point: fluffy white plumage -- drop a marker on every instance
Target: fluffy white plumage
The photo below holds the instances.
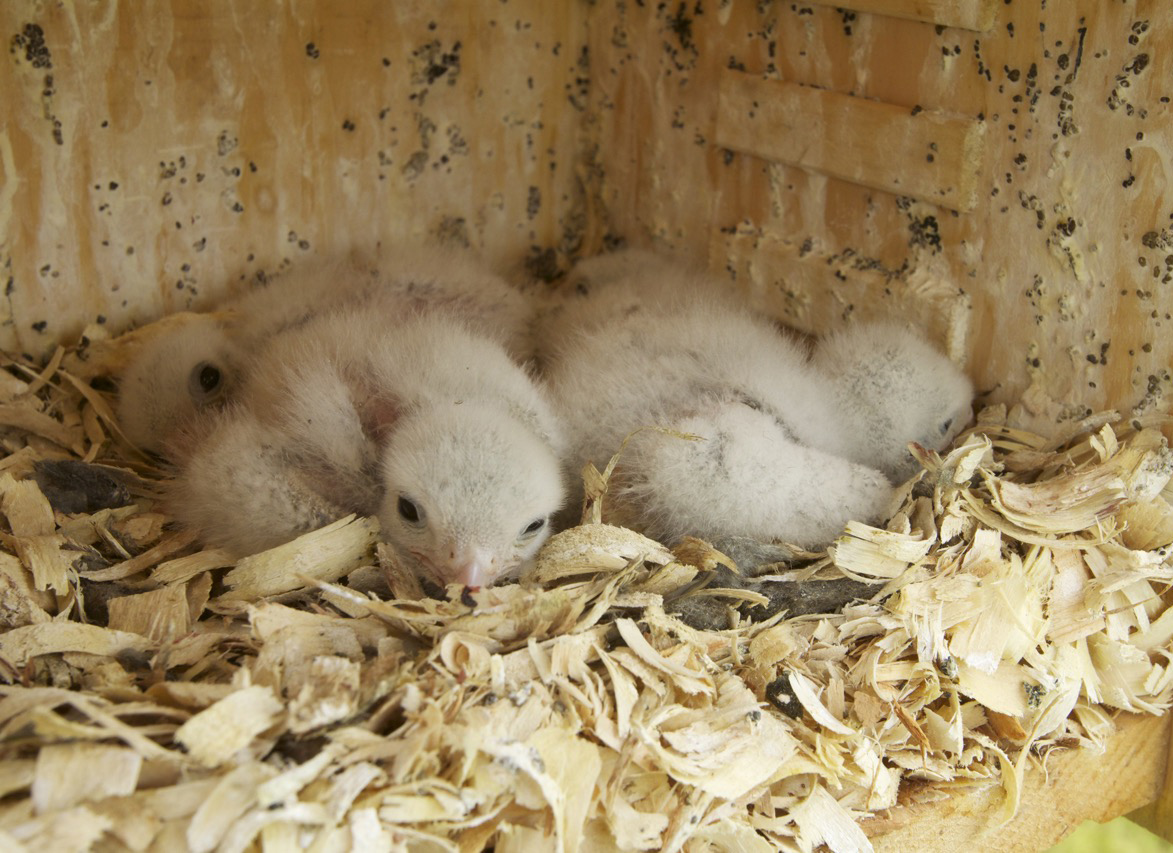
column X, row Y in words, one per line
column 175, row 377
column 895, row 388
column 641, row 343
column 431, row 426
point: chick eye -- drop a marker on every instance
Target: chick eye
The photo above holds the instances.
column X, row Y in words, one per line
column 533, row 527
column 945, row 426
column 205, row 381
column 410, row 511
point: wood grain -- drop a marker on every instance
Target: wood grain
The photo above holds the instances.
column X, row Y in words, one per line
column 967, row 14
column 151, row 161
column 1077, row 786
column 1064, row 263
column 1157, row 816
column 926, row 154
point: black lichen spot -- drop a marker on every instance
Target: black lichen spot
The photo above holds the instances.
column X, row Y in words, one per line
column 453, row 230
column 31, row 40
column 682, row 51
column 430, row 62
column 780, row 694
column 924, row 232
column 542, row 264
column 224, row 145
column 848, row 20
column 40, row 325
column 533, row 202
column 415, row 165
column 348, row 126
column 578, row 90
column 1138, row 64
column 311, row 50
column 681, row 25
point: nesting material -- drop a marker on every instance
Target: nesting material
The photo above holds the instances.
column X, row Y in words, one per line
column 158, row 697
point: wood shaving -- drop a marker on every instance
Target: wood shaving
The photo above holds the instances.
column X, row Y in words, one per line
column 157, row 695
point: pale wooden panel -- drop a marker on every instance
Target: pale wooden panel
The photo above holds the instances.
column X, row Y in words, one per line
column 925, row 154
column 785, row 277
column 1157, row 816
column 967, row 14
column 1078, row 785
column 153, row 156
column 1065, row 262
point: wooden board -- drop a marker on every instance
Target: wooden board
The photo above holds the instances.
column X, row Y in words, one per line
column 1066, row 260
column 967, row 14
column 152, row 159
column 926, row 154
column 1076, row 786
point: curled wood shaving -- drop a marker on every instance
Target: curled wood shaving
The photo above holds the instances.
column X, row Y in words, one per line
column 158, row 696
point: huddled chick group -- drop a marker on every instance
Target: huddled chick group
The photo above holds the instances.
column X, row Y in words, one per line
column 436, row 396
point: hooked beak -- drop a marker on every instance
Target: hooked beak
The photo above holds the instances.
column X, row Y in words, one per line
column 471, row 566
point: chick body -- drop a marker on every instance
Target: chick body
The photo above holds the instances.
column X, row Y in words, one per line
column 433, row 428
column 177, row 377
column 644, row 344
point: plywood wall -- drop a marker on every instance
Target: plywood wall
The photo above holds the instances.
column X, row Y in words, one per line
column 998, row 171
column 154, row 155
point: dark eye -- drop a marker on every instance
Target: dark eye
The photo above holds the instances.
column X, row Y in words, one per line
column 209, row 378
column 945, row 426
column 533, row 527
column 205, row 381
column 409, row 510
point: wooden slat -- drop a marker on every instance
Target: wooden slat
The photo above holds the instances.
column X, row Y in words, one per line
column 925, row 154
column 1157, row 816
column 1077, row 786
column 967, row 14
column 811, row 290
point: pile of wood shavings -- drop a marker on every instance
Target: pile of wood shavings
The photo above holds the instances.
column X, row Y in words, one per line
column 160, row 697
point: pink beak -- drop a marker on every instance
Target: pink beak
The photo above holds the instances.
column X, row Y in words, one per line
column 471, row 566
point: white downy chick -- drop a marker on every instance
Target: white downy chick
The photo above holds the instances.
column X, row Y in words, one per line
column 175, row 377
column 243, row 491
column 470, row 491
column 469, row 451
column 895, row 388
column 689, row 360
column 429, row 425
column 404, row 280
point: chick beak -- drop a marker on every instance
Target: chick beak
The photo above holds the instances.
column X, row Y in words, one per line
column 471, row 566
